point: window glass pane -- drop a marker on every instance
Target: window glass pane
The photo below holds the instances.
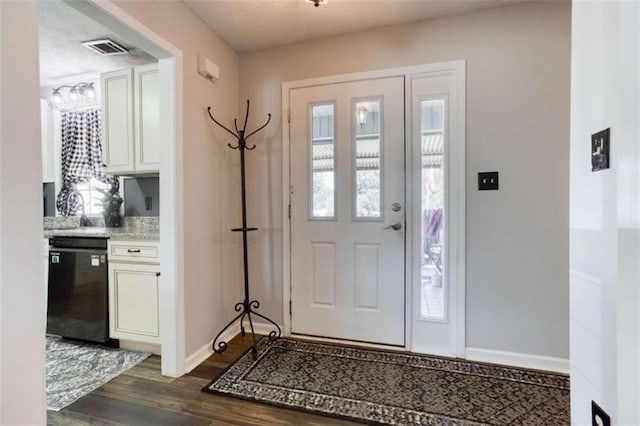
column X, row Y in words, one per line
column 92, row 197
column 323, row 161
column 367, row 159
column 433, row 217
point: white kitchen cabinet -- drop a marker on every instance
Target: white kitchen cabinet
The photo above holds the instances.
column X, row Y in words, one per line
column 117, row 121
column 146, row 118
column 134, row 292
column 130, row 120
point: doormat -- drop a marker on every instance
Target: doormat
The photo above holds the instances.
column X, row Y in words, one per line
column 376, row 386
column 75, row 368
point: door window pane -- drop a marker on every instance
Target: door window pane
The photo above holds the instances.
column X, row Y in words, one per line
column 367, row 159
column 433, row 214
column 322, row 161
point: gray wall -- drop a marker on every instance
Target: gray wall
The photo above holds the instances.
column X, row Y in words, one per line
column 136, row 191
column 517, row 122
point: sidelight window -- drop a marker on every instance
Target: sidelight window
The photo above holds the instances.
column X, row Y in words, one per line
column 432, row 304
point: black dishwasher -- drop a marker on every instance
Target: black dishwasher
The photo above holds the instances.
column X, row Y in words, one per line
column 78, row 299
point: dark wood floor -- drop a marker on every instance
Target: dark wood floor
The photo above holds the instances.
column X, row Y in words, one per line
column 142, row 396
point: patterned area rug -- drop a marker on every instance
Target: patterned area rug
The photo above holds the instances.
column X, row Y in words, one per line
column 394, row 388
column 74, row 369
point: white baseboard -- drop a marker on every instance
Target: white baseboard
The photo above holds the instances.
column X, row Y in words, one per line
column 196, row 358
column 515, row 359
column 261, row 327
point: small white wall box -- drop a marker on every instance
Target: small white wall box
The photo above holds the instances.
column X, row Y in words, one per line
column 208, row 69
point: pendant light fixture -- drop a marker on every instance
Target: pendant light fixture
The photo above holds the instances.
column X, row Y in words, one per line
column 317, row 3
column 362, row 113
column 78, row 95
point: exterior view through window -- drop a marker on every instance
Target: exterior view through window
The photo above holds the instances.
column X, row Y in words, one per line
column 432, row 304
column 322, row 162
column 92, row 197
column 367, row 159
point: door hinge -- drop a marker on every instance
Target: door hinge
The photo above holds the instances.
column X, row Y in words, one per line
column 290, row 308
column 289, row 211
column 289, row 116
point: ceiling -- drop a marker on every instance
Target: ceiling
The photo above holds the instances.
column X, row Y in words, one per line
column 257, row 24
column 64, row 60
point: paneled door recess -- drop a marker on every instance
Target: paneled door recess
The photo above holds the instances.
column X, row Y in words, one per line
column 347, row 211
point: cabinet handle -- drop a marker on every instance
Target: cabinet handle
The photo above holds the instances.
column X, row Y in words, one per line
column 133, row 251
column 157, row 274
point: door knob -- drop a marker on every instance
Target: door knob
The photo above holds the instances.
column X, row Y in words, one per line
column 396, row 226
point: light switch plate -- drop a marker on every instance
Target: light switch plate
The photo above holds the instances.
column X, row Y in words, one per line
column 488, row 181
column 600, row 150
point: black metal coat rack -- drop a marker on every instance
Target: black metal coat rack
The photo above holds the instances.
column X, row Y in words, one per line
column 247, row 307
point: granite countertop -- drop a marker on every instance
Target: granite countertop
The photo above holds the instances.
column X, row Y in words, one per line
column 112, row 233
column 133, row 228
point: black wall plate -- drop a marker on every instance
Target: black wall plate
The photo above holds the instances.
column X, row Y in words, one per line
column 488, row 181
column 600, row 150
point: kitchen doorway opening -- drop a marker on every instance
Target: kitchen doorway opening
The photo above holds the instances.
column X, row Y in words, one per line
column 171, row 311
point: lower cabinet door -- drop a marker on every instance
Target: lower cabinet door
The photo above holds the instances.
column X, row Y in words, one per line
column 133, row 302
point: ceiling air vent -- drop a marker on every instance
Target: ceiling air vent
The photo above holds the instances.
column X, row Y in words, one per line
column 105, row 47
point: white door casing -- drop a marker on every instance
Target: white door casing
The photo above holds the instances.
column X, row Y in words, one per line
column 347, row 270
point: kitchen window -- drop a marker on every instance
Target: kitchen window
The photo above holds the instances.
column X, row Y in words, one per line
column 92, row 197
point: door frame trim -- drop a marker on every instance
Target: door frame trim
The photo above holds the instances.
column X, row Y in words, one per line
column 458, row 68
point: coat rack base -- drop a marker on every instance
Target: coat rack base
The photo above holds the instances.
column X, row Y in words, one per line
column 246, row 309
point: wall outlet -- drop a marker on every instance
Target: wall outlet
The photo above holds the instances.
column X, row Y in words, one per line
column 598, row 416
column 488, row 181
column 147, row 203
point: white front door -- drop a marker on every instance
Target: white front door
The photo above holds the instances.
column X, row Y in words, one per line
column 348, row 210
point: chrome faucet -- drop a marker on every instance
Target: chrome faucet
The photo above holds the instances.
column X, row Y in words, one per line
column 84, row 220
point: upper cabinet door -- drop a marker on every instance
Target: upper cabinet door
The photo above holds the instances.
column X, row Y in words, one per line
column 117, row 123
column 146, row 118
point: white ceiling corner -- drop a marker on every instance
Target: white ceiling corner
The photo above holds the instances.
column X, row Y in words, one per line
column 249, row 25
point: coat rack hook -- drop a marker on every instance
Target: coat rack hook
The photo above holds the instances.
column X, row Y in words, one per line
column 220, row 124
column 260, row 128
column 246, row 118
